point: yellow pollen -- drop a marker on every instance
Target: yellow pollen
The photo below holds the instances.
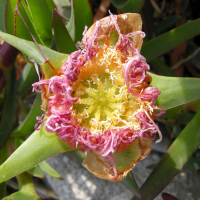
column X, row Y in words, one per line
column 104, row 101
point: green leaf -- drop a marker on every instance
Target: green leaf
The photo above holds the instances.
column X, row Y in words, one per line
column 174, row 159
column 162, row 68
column 51, row 5
column 132, row 186
column 28, row 124
column 126, row 6
column 21, row 30
column 49, row 170
column 37, row 148
column 42, row 20
column 35, row 171
column 2, row 15
column 175, row 91
column 3, row 157
column 169, row 22
column 81, row 16
column 26, row 187
column 167, row 41
column 31, row 50
column 193, row 163
column 27, row 78
column 9, row 107
column 63, row 40
column 9, row 23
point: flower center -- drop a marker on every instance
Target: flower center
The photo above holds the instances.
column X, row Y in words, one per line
column 104, row 101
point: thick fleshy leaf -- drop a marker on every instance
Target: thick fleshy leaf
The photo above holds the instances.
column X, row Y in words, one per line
column 132, row 186
column 42, row 20
column 28, row 155
column 167, row 41
column 81, row 16
column 31, row 50
column 128, row 5
column 27, row 78
column 174, row 159
column 28, row 124
column 26, row 187
column 63, row 40
column 9, row 18
column 35, row 171
column 9, row 107
column 49, row 170
column 2, row 15
column 21, row 30
column 175, row 91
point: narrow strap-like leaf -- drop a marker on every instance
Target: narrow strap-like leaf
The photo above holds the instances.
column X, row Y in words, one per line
column 28, row 124
column 2, row 15
column 42, row 20
column 49, row 170
column 31, row 50
column 63, row 40
column 81, row 16
column 27, row 78
column 131, row 184
column 167, row 41
column 10, row 105
column 174, row 159
column 35, row 171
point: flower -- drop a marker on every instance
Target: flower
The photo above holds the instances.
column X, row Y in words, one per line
column 100, row 99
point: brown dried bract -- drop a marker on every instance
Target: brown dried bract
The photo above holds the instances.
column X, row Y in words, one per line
column 98, row 166
column 128, row 23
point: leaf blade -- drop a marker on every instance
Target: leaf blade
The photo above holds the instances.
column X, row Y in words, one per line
column 175, row 91
column 63, row 40
column 167, row 41
column 30, row 153
column 49, row 170
column 176, row 156
column 30, row 49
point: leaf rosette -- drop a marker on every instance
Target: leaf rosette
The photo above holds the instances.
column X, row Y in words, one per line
column 100, row 99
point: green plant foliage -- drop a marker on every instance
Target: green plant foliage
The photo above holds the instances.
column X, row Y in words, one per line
column 169, row 22
column 2, row 15
column 35, row 171
column 28, row 124
column 175, row 91
column 27, row 78
column 63, row 40
column 132, row 6
column 3, row 157
column 21, row 30
column 9, row 18
column 132, row 185
column 42, row 20
column 81, row 16
column 174, row 159
column 167, row 41
column 26, row 187
column 30, row 49
column 49, row 170
column 9, row 107
column 30, row 153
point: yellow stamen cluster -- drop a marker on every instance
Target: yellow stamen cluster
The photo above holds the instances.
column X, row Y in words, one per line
column 104, row 101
